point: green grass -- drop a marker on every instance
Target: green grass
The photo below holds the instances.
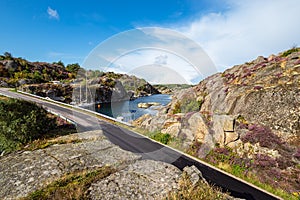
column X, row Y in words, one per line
column 71, row 186
column 13, row 90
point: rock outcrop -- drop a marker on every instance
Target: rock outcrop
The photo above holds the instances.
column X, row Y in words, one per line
column 148, row 104
column 265, row 91
column 145, row 179
column 24, row 172
column 248, row 116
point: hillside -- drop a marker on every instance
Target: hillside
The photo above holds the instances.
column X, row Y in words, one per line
column 245, row 120
column 63, row 83
column 18, row 71
column 171, row 88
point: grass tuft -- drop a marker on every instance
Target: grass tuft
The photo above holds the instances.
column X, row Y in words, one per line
column 199, row 191
column 71, row 186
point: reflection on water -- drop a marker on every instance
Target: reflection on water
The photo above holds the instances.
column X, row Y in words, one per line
column 129, row 110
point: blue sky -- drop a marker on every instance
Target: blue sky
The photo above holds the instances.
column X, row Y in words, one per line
column 69, row 30
column 230, row 32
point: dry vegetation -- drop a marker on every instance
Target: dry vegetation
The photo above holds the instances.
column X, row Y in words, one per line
column 200, row 191
column 71, row 186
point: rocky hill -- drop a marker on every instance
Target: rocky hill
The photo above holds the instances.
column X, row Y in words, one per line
column 67, row 83
column 247, row 117
column 18, row 71
column 105, row 87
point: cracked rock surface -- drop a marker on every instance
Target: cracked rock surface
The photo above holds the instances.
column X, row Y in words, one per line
column 145, row 179
column 24, row 172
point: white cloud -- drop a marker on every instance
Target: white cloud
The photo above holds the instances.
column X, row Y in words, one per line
column 64, row 56
column 145, row 48
column 248, row 29
column 53, row 14
column 152, row 65
column 161, row 59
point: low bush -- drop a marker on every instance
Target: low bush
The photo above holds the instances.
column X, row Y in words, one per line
column 161, row 137
column 22, row 122
column 264, row 161
column 187, row 105
column 177, row 108
column 290, row 51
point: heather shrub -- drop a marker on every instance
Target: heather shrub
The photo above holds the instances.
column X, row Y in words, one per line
column 221, row 154
column 257, row 87
column 194, row 147
column 272, row 176
column 284, row 162
column 263, row 135
column 297, row 154
column 264, row 161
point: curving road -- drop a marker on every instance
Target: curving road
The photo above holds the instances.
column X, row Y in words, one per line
column 149, row 149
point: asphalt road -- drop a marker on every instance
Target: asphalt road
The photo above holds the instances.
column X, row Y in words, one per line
column 136, row 143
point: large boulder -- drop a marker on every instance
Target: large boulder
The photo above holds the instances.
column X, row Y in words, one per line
column 198, row 127
column 223, row 127
column 173, row 129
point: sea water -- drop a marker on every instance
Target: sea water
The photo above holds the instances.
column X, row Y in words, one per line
column 128, row 110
